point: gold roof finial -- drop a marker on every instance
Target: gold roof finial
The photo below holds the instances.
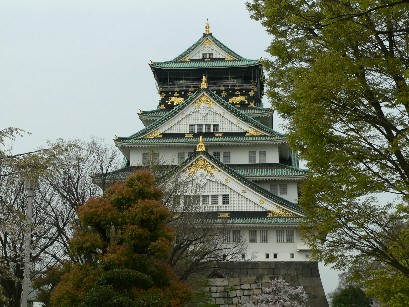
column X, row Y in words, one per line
column 204, row 83
column 200, row 146
column 207, row 27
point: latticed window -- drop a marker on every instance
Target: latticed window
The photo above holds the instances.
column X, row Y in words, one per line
column 262, row 156
column 236, row 236
column 225, row 199
column 226, row 157
column 252, row 156
column 283, row 188
column 290, row 235
column 181, row 157
column 280, row 236
column 252, row 236
column 145, row 158
column 199, row 128
column 208, row 128
column 214, row 200
column 226, row 236
column 155, row 158
column 215, row 127
column 191, row 128
column 205, row 200
column 263, row 236
column 216, row 154
column 274, row 188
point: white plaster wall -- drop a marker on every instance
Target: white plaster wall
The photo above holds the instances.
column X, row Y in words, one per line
column 292, row 189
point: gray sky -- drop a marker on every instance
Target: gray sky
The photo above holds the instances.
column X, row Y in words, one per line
column 79, row 68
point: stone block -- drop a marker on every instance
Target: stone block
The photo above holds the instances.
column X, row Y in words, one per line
column 235, row 281
column 219, row 281
column 245, row 299
column 239, row 292
column 248, row 292
column 256, row 286
column 248, row 279
column 235, row 300
column 215, row 294
column 219, row 301
column 232, row 294
column 256, row 291
column 214, row 289
column 245, row 286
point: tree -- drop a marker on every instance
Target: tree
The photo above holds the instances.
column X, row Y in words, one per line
column 351, row 296
column 123, row 243
column 339, row 76
column 280, row 294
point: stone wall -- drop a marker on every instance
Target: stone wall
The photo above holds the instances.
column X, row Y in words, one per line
column 242, row 280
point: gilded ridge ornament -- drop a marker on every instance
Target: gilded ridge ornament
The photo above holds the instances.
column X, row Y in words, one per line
column 223, row 215
column 176, row 100
column 238, row 99
column 203, row 100
column 201, row 164
column 200, row 146
column 229, row 58
column 253, row 132
column 154, row 134
column 203, row 85
column 279, row 212
column 207, row 27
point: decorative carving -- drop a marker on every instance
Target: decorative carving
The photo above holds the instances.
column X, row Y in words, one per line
column 203, row 100
column 186, row 59
column 224, row 94
column 261, row 201
column 203, row 85
column 251, row 93
column 154, row 134
column 227, row 180
column 176, row 94
column 162, row 106
column 279, row 212
column 175, row 100
column 162, row 95
column 201, row 164
column 251, row 105
column 218, row 134
column 200, row 146
column 207, row 27
column 223, row 215
column 238, row 99
column 188, row 135
column 254, row 132
column 229, row 58
column 244, row 191
column 207, row 42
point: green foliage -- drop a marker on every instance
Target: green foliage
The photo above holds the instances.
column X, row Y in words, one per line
column 351, row 296
column 123, row 242
column 338, row 75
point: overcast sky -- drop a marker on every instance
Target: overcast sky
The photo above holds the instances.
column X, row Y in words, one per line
column 79, row 68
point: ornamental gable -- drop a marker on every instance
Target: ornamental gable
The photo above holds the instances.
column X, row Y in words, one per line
column 207, row 49
column 204, row 114
column 205, row 178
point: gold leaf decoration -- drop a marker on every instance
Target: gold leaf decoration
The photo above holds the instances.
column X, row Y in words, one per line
column 203, row 100
column 279, row 212
column 201, row 164
column 188, row 135
column 253, row 132
column 238, row 99
column 154, row 134
column 227, row 180
column 176, row 100
column 223, row 215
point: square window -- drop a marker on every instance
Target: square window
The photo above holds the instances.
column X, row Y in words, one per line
column 267, row 255
column 205, row 200
column 236, row 236
column 216, row 154
column 253, row 236
column 283, row 188
column 225, row 199
column 215, row 127
column 208, row 128
column 291, row 255
column 191, row 128
column 243, row 256
column 226, row 157
column 252, row 156
column 263, row 236
column 214, row 200
column 181, row 157
column 275, row 256
column 274, row 188
column 199, row 128
column 262, row 157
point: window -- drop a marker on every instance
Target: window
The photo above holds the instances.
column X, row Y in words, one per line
column 216, row 154
column 291, row 255
column 145, row 158
column 226, row 236
column 283, row 188
column 205, row 200
column 226, row 157
column 191, row 128
column 274, row 188
column 181, row 157
column 267, row 255
column 263, row 236
column 214, row 200
column 208, row 128
column 155, row 158
column 207, row 55
column 290, row 235
column 275, row 256
column 252, row 156
column 199, row 128
column 215, row 127
column 188, row 201
column 253, row 236
column 262, row 157
column 280, row 235
column 225, row 199
column 243, row 256
column 236, row 236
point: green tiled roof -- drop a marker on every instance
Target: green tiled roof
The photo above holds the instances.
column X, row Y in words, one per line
column 257, row 220
column 233, row 110
column 250, row 184
column 254, row 110
column 271, row 170
column 205, row 64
